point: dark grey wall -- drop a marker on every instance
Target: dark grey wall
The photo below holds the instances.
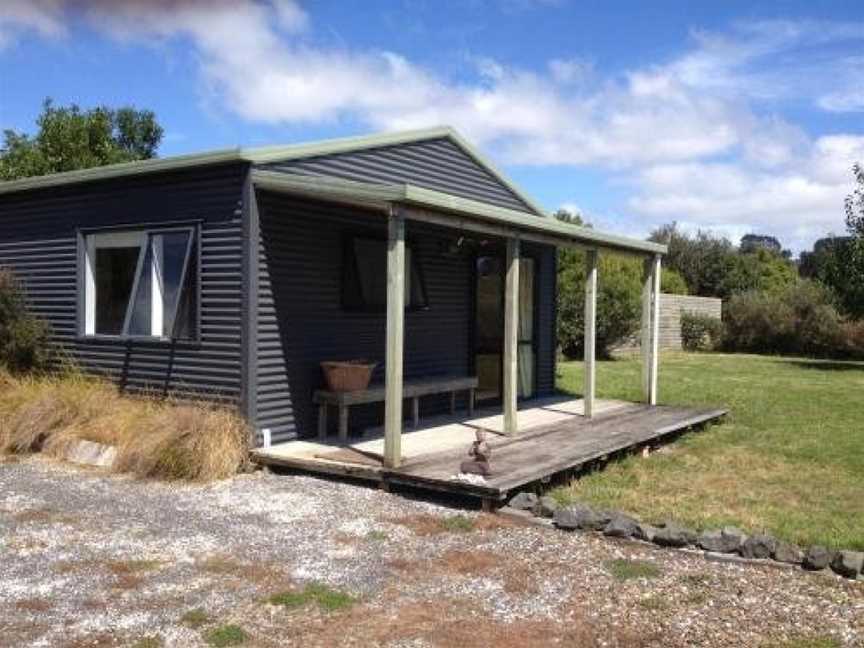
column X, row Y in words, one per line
column 38, row 241
column 434, row 164
column 301, row 321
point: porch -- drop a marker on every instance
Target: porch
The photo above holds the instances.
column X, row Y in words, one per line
column 555, row 436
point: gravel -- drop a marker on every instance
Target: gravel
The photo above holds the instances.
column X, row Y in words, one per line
column 92, row 559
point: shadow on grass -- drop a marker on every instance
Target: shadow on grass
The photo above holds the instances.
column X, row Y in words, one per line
column 825, row 365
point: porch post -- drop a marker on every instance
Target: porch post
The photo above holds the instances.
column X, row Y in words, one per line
column 395, row 338
column 590, row 331
column 650, row 328
column 511, row 336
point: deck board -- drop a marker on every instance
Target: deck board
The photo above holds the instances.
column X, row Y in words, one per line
column 536, row 453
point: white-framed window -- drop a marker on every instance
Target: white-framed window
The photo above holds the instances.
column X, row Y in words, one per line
column 140, row 283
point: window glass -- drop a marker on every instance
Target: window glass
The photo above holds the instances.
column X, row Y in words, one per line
column 140, row 284
column 365, row 277
column 171, row 249
column 140, row 322
column 114, row 274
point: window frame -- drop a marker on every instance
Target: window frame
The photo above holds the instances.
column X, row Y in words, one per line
column 126, row 236
column 350, row 264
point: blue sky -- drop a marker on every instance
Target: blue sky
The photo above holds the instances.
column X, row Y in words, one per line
column 724, row 116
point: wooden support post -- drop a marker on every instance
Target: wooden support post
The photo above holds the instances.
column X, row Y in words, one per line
column 322, row 421
column 650, row 329
column 343, row 422
column 395, row 338
column 589, row 390
column 511, row 337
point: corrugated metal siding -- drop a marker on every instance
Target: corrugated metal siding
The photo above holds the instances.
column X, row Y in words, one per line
column 434, row 164
column 301, row 321
column 38, row 242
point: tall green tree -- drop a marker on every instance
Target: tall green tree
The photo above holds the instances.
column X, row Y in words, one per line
column 69, row 138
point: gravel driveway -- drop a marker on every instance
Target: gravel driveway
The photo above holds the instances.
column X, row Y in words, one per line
column 94, row 560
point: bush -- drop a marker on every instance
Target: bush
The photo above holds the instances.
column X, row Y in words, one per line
column 700, row 332
column 618, row 302
column 800, row 319
column 672, row 283
column 24, row 344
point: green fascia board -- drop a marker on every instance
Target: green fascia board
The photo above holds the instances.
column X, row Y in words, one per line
column 550, row 225
column 264, row 155
column 122, row 169
column 382, row 196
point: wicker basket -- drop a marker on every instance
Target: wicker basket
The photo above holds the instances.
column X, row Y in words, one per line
column 347, row 375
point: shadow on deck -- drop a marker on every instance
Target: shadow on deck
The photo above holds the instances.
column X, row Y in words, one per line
column 554, row 438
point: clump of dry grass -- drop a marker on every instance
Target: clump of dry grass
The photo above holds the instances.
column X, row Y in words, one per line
column 192, row 441
column 154, row 438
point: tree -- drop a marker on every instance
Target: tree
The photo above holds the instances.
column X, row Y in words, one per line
column 855, row 205
column 69, row 139
column 753, row 242
column 702, row 260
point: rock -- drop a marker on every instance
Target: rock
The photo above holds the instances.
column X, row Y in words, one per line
column 758, row 546
column 817, row 558
column 620, row 526
column 672, row 534
column 579, row 516
column 848, row 563
column 726, row 540
column 568, row 517
column 546, row 507
column 786, row 552
column 523, row 501
column 645, row 532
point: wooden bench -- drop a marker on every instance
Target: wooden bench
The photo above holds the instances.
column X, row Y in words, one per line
column 412, row 389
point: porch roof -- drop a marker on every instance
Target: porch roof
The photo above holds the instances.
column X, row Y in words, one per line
column 419, row 203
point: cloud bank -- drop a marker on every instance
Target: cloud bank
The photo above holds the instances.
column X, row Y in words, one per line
column 700, row 138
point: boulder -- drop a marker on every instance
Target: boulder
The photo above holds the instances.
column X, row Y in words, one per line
column 817, row 558
column 786, row 552
column 579, row 516
column 848, row 563
column 620, row 526
column 546, row 507
column 758, row 546
column 672, row 534
column 726, row 540
column 645, row 532
column 523, row 501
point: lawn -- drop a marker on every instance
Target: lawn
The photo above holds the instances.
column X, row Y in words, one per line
column 789, row 459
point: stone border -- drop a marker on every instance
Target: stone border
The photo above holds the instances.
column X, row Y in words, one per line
column 728, row 544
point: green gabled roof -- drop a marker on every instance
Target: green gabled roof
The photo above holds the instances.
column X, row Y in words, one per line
column 265, row 154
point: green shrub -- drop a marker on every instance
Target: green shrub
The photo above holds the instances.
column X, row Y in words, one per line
column 619, row 289
column 672, row 283
column 800, row 319
column 24, row 344
column 700, row 332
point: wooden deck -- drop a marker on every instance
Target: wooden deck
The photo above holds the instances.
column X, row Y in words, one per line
column 554, row 437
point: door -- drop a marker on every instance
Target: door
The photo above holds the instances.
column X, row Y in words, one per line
column 489, row 328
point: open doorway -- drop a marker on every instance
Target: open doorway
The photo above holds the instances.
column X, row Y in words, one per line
column 489, row 327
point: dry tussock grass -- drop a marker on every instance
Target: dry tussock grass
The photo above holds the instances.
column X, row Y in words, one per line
column 154, row 438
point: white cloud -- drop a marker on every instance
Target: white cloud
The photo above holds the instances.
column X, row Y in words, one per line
column 699, row 138
column 17, row 17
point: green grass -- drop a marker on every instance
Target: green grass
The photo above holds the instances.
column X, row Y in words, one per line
column 787, row 460
column 624, row 570
column 376, row 535
column 326, row 597
column 457, row 523
column 226, row 635
column 148, row 642
column 195, row 618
